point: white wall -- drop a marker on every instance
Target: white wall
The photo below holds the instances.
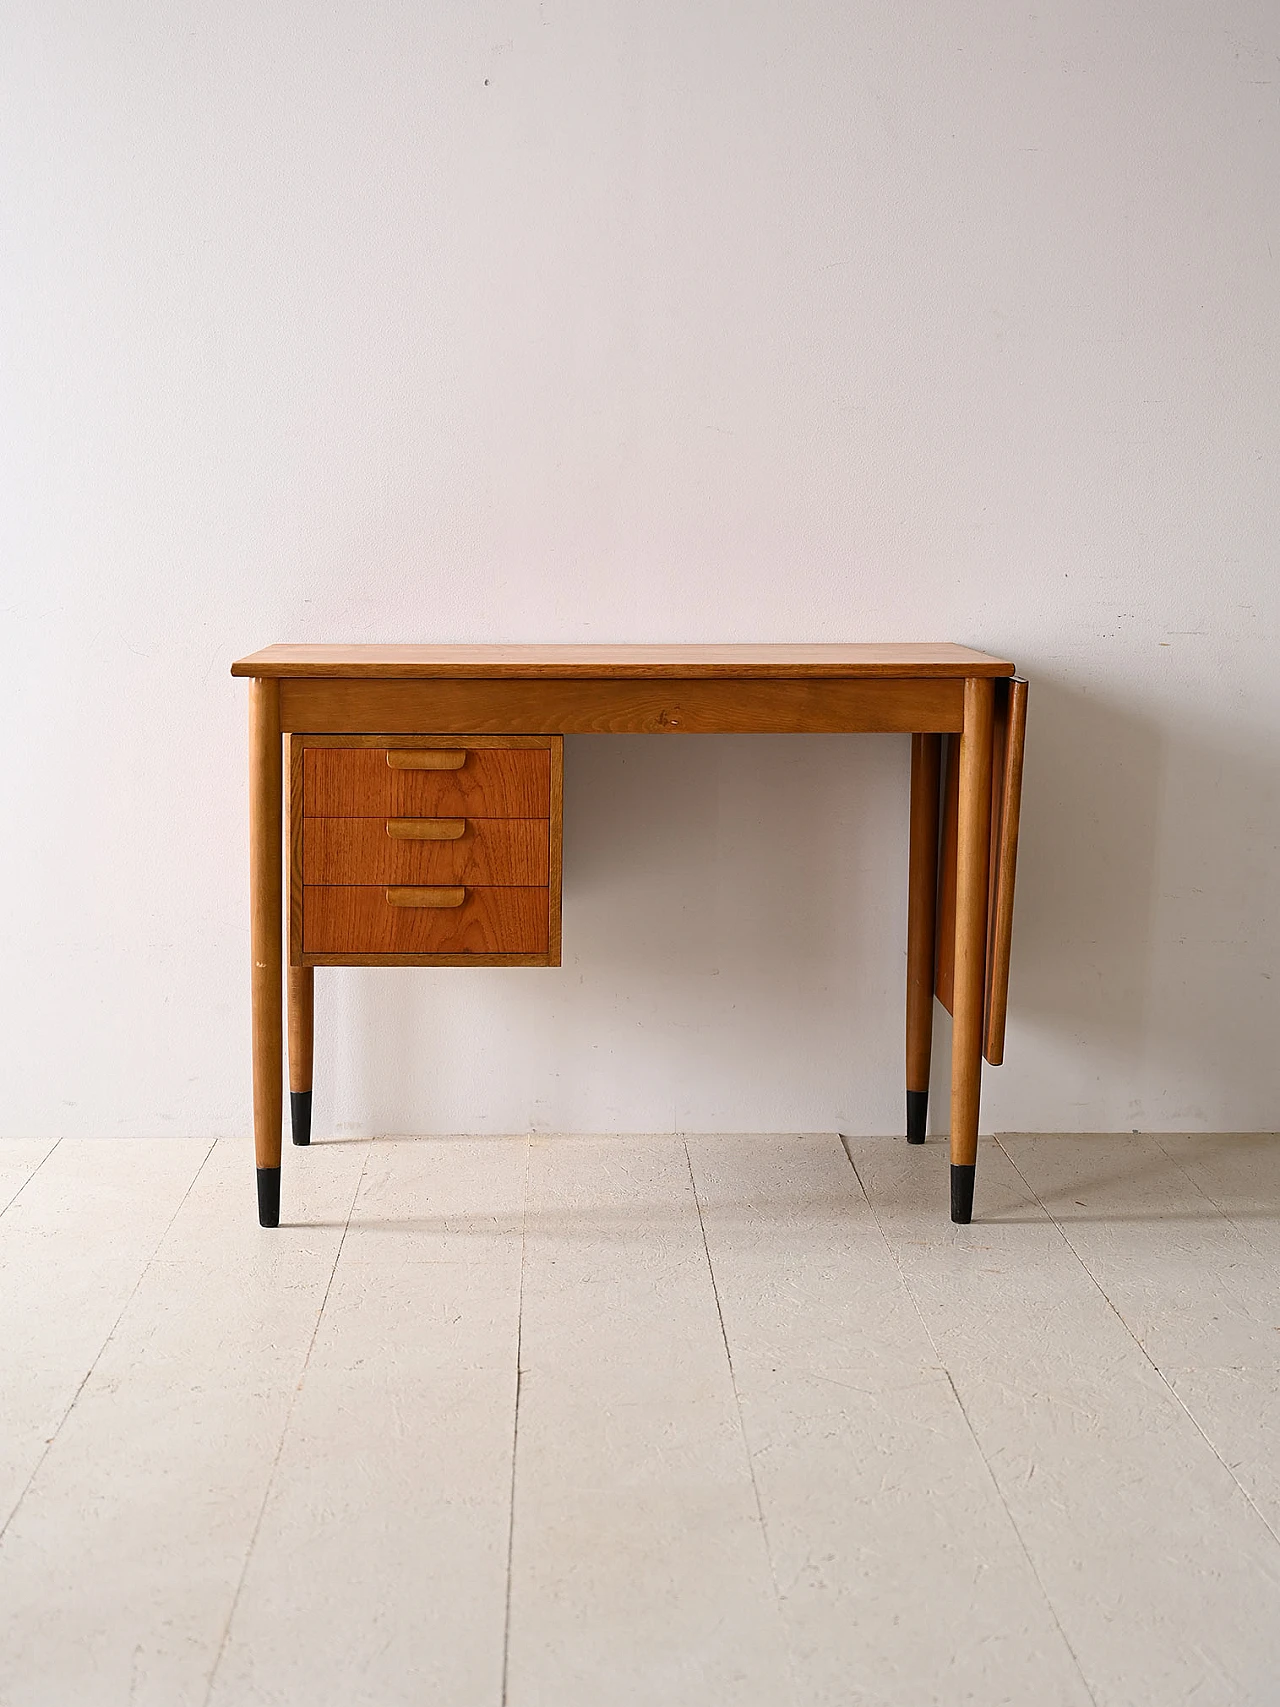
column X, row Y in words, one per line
column 597, row 320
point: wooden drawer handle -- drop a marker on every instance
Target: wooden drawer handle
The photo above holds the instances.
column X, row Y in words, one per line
column 426, row 897
column 425, row 759
column 426, row 829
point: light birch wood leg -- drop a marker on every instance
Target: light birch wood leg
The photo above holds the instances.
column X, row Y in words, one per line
column 301, row 1050
column 265, row 863
column 973, row 849
column 922, row 914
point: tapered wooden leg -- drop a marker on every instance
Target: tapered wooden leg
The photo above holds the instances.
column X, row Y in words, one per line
column 922, row 916
column 301, row 1050
column 973, row 848
column 265, row 861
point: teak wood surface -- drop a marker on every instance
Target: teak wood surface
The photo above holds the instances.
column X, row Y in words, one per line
column 589, row 705
column 503, row 851
column 301, row 1027
column 367, row 919
column 874, row 660
column 1008, row 741
column 354, row 782
column 265, row 924
column 360, row 847
column 973, row 851
column 922, row 907
column 345, row 709
column 1006, row 813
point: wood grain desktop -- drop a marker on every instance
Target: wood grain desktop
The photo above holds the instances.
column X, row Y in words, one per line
column 425, row 820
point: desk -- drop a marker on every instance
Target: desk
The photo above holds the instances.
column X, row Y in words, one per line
column 424, row 820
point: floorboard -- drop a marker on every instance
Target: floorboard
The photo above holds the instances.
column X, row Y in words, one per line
column 901, row 1576
column 541, row 1422
column 119, row 1571
column 639, row 1567
column 1182, row 1234
column 379, row 1574
column 1164, row 1580
column 20, row 1158
column 75, row 1240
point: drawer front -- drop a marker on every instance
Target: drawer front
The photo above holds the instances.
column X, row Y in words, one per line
column 351, row 919
column 369, row 782
column 507, row 851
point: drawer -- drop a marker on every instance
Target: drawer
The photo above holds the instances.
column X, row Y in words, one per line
column 421, row 782
column 362, row 919
column 507, row 851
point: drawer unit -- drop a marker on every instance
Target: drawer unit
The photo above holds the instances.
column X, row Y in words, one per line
column 421, row 849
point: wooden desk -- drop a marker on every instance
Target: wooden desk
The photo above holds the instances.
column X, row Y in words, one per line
column 424, row 820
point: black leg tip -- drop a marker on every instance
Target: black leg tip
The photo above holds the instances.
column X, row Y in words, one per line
column 962, row 1194
column 300, row 1115
column 268, row 1197
column 917, row 1109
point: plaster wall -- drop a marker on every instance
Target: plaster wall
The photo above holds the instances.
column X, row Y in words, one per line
column 608, row 321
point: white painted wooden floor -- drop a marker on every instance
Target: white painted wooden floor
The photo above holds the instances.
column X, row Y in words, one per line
column 619, row 1421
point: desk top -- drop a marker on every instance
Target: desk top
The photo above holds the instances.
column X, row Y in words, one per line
column 654, row 663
